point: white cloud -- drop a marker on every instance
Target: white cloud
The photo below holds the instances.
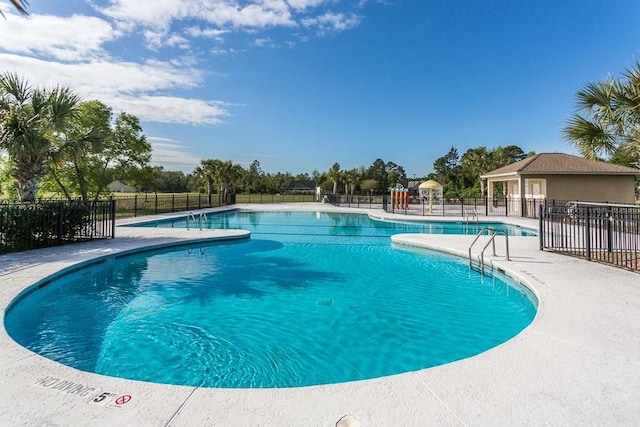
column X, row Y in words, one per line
column 158, row 14
column 162, row 13
column 218, row 51
column 304, row 4
column 261, row 14
column 75, row 51
column 178, row 41
column 264, row 42
column 76, row 38
column 156, row 20
column 126, row 86
column 171, row 154
column 211, row 33
column 332, row 22
column 169, row 109
column 103, row 76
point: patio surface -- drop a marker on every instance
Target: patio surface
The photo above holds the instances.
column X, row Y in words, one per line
column 578, row 363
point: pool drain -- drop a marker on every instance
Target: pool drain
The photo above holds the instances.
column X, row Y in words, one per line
column 324, row 302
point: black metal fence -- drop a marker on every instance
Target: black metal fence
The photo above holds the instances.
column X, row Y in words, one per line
column 498, row 206
column 356, row 200
column 597, row 232
column 46, row 223
column 153, row 204
column 275, row 198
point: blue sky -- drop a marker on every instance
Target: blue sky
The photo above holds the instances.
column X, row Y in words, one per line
column 301, row 84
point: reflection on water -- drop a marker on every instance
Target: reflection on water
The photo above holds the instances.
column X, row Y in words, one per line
column 77, row 308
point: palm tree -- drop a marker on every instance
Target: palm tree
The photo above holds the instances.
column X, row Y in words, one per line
column 207, row 170
column 80, row 146
column 610, row 119
column 228, row 173
column 334, row 174
column 29, row 118
column 20, row 5
column 352, row 179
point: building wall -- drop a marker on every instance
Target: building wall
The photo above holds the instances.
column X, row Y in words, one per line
column 119, row 187
column 590, row 188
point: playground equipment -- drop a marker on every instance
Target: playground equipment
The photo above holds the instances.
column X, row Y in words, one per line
column 399, row 198
column 428, row 188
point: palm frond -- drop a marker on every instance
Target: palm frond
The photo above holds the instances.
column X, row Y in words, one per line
column 628, row 94
column 589, row 137
column 597, row 98
column 20, row 5
column 14, row 87
column 63, row 104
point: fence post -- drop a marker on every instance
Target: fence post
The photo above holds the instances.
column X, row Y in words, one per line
column 540, row 228
column 59, row 224
column 135, row 206
column 187, row 208
column 173, row 202
column 113, row 218
column 156, row 207
column 609, row 230
column 506, row 206
column 588, row 234
column 486, row 206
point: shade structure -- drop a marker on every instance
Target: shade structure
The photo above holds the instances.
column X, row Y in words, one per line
column 428, row 187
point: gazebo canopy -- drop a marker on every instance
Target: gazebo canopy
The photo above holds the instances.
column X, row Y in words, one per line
column 430, row 185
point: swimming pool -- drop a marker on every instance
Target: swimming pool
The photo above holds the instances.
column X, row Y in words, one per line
column 336, row 227
column 293, row 306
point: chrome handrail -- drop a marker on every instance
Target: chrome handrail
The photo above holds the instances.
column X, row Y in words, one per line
column 191, row 215
column 471, row 213
column 202, row 215
column 492, row 240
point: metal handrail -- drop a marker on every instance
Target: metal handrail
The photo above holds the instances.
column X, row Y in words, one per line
column 191, row 215
column 491, row 241
column 202, row 215
column 473, row 214
column 476, row 239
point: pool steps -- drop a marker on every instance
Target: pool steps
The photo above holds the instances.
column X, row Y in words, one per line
column 201, row 219
column 492, row 240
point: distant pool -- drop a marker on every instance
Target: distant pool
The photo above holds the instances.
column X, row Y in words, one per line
column 312, row 298
column 329, row 227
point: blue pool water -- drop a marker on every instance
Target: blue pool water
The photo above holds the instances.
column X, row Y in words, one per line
column 334, row 227
column 314, row 301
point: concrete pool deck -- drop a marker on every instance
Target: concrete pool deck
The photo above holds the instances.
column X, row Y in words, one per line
column 578, row 363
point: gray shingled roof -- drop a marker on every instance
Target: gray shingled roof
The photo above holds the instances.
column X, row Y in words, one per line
column 560, row 164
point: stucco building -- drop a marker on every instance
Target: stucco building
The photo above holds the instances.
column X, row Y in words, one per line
column 562, row 177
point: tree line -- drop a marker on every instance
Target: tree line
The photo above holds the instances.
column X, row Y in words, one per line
column 52, row 137
column 54, row 143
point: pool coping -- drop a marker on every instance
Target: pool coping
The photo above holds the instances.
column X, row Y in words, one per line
column 577, row 363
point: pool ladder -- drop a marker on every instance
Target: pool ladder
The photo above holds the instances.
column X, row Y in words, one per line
column 201, row 219
column 492, row 241
column 471, row 214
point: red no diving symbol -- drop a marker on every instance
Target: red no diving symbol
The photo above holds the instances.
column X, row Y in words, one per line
column 121, row 400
